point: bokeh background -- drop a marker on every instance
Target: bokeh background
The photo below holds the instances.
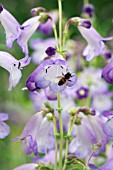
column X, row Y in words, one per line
column 17, row 102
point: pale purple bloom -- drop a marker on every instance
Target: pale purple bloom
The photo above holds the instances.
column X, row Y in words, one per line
column 27, row 29
column 107, row 113
column 35, row 136
column 90, row 132
column 46, row 28
column 11, row 26
column 13, row 66
column 49, row 73
column 4, row 128
column 107, row 72
column 95, row 41
column 30, row 166
column 39, row 46
column 108, row 127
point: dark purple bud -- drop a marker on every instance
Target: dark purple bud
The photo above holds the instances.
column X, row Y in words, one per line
column 82, row 93
column 106, row 113
column 107, row 55
column 85, row 23
column 89, row 10
column 50, row 51
column 1, row 8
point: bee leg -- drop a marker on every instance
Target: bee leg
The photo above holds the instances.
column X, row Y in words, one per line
column 72, row 75
column 70, row 80
column 47, row 68
column 62, row 67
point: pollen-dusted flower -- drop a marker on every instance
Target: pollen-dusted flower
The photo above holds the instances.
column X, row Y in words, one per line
column 13, row 66
column 54, row 73
column 107, row 72
column 95, row 41
column 11, row 26
column 4, row 128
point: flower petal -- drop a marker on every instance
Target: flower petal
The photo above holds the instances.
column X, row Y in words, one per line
column 4, row 130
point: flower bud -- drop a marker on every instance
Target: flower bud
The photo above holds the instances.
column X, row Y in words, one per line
column 49, row 116
column 37, row 11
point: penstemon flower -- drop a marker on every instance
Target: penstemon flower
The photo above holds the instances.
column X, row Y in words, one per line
column 13, row 66
column 4, row 128
column 52, row 72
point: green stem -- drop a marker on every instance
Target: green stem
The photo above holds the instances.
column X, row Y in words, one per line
column 60, row 23
column 55, row 32
column 85, row 2
column 56, row 140
column 61, row 131
column 67, row 140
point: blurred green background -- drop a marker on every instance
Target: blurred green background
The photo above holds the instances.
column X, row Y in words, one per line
column 17, row 102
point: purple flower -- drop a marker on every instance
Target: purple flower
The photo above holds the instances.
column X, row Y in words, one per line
column 88, row 10
column 81, row 146
column 4, row 128
column 108, row 127
column 29, row 166
column 35, row 136
column 13, row 66
column 50, row 51
column 54, row 73
column 11, row 26
column 106, row 113
column 27, row 29
column 82, row 92
column 107, row 72
column 46, row 28
column 95, row 41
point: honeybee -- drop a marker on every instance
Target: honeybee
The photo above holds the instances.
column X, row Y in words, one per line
column 64, row 78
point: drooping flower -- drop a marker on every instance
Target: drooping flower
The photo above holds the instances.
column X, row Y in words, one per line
column 54, row 73
column 95, row 41
column 107, row 72
column 89, row 133
column 4, row 128
column 27, row 29
column 11, row 26
column 35, row 136
column 13, row 66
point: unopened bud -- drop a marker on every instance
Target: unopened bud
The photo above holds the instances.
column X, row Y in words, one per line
column 87, row 111
column 73, row 111
column 49, row 117
column 44, row 17
column 37, row 11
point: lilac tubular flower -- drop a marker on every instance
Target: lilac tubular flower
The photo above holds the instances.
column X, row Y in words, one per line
column 27, row 29
column 82, row 93
column 4, row 128
column 81, row 146
column 54, row 73
column 11, row 26
column 108, row 127
column 107, row 72
column 31, row 166
column 95, row 41
column 46, row 28
column 13, row 66
column 35, row 136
